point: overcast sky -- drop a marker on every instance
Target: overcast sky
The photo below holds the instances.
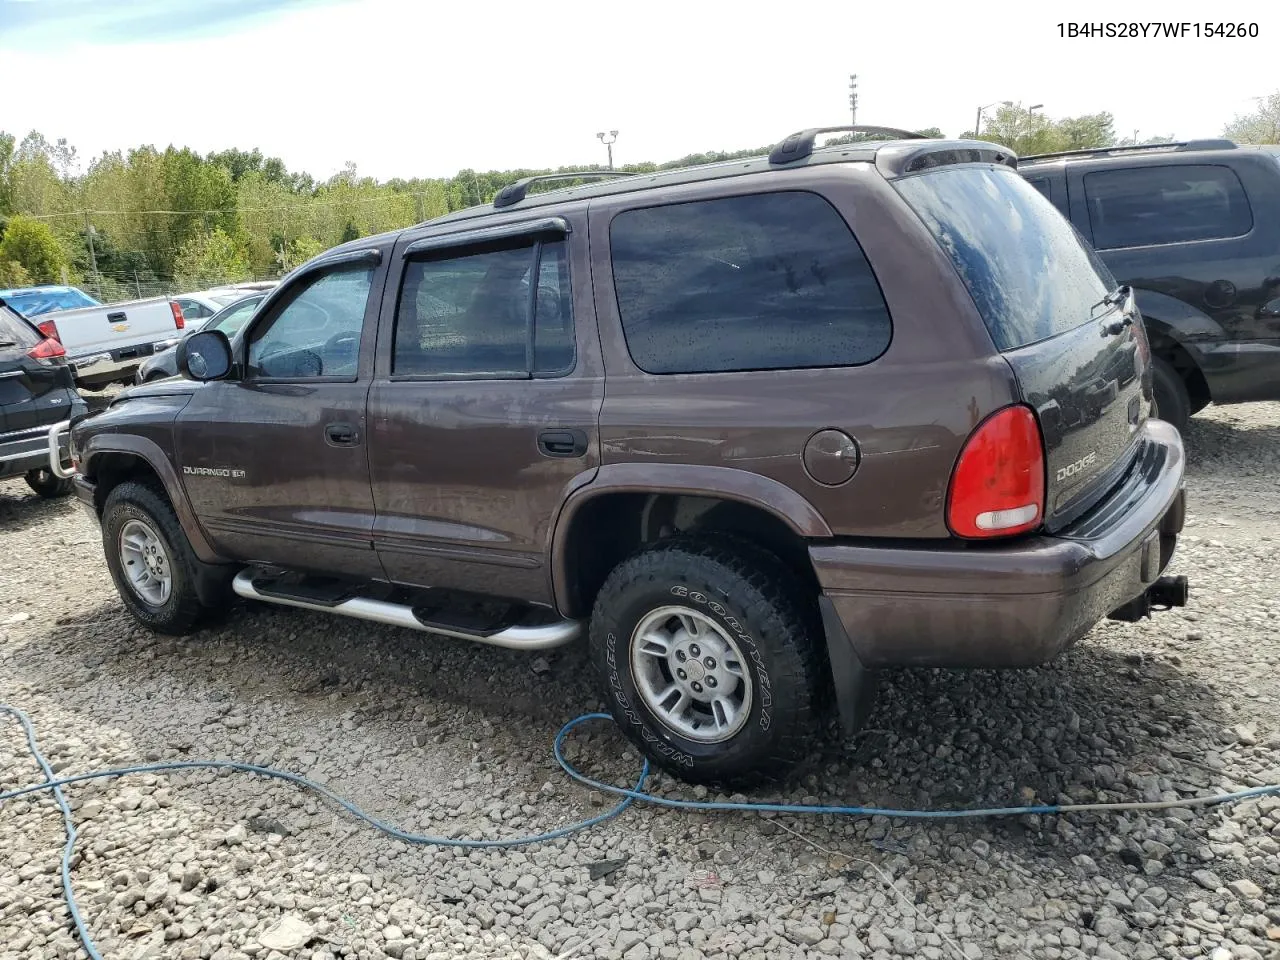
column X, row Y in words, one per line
column 408, row 88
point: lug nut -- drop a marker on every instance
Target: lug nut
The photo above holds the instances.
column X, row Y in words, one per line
column 697, row 687
column 693, row 649
column 711, row 681
column 681, row 656
column 682, row 675
column 709, row 662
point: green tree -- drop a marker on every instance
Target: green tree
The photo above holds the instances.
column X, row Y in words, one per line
column 1261, row 126
column 13, row 274
column 7, row 144
column 1028, row 133
column 209, row 259
column 297, row 252
column 31, row 244
column 1085, row 131
column 349, row 232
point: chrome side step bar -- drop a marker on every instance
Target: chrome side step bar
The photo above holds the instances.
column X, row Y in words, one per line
column 517, row 637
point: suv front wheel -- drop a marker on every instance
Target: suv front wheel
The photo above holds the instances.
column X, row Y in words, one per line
column 150, row 559
column 711, row 659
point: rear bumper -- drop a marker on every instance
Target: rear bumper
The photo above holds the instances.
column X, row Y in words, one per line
column 1012, row 605
column 118, row 364
column 30, row 449
column 1243, row 371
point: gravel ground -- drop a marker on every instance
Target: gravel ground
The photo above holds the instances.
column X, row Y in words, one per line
column 442, row 736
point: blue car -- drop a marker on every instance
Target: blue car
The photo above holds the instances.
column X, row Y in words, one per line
column 33, row 301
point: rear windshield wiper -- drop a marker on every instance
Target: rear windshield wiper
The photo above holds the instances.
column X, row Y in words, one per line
column 1115, row 298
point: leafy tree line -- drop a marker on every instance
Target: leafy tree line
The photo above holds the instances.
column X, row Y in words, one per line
column 146, row 220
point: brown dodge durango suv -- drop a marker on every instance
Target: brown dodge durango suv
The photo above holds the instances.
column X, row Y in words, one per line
column 757, row 429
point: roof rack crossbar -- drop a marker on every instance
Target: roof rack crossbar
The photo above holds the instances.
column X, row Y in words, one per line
column 1176, row 145
column 513, row 193
column 800, row 145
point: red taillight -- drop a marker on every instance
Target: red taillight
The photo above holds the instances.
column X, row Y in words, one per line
column 997, row 487
column 47, row 349
column 178, row 320
column 49, row 329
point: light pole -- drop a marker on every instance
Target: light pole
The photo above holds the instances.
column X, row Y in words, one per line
column 853, row 99
column 977, row 124
column 612, row 138
column 1033, row 108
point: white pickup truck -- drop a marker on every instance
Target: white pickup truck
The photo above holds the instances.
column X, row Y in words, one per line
column 104, row 343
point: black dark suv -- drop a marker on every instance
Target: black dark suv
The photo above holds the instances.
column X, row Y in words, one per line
column 36, row 393
column 1192, row 227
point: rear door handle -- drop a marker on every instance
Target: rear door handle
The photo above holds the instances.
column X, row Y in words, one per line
column 342, row 434
column 562, row 443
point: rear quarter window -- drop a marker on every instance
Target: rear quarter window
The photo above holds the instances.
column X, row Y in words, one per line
column 1030, row 273
column 762, row 282
column 1178, row 203
column 16, row 331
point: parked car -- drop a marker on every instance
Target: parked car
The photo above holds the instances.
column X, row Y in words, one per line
column 1191, row 226
column 200, row 307
column 763, row 428
column 34, row 301
column 36, row 393
column 105, row 344
column 229, row 320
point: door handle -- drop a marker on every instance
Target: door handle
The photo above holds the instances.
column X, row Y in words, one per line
column 562, row 443
column 342, row 434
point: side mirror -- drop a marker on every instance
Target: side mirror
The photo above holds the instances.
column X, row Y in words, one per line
column 205, row 356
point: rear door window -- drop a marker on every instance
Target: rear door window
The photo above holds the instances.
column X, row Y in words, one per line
column 762, row 282
column 473, row 314
column 1030, row 273
column 1145, row 206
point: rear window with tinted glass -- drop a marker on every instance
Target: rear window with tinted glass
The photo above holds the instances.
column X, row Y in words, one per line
column 1028, row 270
column 16, row 331
column 762, row 282
column 1146, row 206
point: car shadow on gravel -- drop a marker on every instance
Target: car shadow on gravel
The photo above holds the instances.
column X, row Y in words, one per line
column 1229, row 441
column 21, row 510
column 1092, row 725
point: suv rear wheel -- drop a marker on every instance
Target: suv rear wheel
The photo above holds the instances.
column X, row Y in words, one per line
column 150, row 559
column 1171, row 400
column 711, row 659
column 43, row 482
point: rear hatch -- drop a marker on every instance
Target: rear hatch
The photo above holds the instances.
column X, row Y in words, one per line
column 1073, row 338
column 34, row 392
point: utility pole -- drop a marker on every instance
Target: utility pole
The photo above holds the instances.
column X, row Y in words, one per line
column 609, row 142
column 93, row 256
column 853, row 99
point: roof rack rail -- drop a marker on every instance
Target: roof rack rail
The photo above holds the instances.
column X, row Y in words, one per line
column 800, row 145
column 1175, row 146
column 513, row 193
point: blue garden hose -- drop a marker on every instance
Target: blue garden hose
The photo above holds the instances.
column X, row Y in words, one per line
column 627, row 797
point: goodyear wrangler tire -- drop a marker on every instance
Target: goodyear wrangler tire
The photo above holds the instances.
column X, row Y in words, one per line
column 710, row 656
column 150, row 559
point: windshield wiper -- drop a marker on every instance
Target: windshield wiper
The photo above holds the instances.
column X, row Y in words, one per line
column 1115, row 298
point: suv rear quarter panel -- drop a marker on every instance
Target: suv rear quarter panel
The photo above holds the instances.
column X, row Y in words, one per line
column 910, row 410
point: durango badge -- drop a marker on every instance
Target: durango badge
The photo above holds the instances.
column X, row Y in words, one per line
column 230, row 472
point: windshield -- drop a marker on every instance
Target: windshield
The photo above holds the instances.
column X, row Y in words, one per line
column 222, row 299
column 1030, row 273
column 32, row 303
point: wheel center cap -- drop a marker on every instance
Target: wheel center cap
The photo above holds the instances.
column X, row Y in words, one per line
column 694, row 669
